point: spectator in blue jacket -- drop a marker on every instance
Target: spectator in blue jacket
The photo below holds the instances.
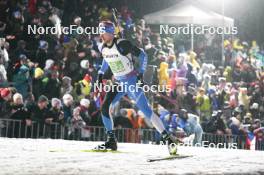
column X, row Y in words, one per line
column 190, row 124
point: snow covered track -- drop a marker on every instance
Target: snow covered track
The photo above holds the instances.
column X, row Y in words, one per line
column 29, row 156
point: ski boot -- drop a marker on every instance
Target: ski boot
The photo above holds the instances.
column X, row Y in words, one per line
column 110, row 144
column 171, row 141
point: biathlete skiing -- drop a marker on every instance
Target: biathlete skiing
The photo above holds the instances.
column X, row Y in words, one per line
column 117, row 54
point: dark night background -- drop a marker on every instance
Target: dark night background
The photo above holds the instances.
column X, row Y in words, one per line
column 248, row 14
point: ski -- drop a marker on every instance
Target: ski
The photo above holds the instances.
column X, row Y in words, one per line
column 88, row 150
column 168, row 158
column 102, row 151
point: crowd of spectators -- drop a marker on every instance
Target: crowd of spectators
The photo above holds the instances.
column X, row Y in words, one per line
column 49, row 78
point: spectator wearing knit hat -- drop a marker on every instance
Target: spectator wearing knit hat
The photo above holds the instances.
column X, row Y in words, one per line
column 3, row 75
column 76, row 124
column 203, row 105
column 39, row 111
column 37, row 84
column 67, row 107
column 21, row 76
column 55, row 111
column 49, row 66
column 42, row 53
column 82, row 89
column 84, row 113
column 6, row 94
column 52, row 85
column 19, row 112
column 259, row 134
column 5, row 102
column 66, row 86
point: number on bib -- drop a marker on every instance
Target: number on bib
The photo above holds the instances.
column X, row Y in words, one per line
column 116, row 66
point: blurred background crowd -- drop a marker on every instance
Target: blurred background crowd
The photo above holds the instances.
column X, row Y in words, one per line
column 49, row 78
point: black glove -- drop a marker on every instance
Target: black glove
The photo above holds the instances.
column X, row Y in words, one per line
column 140, row 79
column 100, row 78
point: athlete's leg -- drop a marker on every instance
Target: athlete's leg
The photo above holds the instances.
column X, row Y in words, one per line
column 141, row 102
column 107, row 120
column 140, row 99
column 110, row 99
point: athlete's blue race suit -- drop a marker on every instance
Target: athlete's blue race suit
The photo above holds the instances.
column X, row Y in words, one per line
column 118, row 56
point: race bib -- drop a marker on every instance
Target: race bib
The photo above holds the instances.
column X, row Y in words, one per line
column 116, row 66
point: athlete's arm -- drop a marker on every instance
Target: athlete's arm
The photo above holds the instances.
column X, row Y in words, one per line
column 125, row 47
column 104, row 66
column 102, row 70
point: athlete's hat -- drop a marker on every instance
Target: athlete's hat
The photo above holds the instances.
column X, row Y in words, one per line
column 108, row 26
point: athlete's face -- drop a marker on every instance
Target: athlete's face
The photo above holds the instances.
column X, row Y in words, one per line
column 107, row 37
